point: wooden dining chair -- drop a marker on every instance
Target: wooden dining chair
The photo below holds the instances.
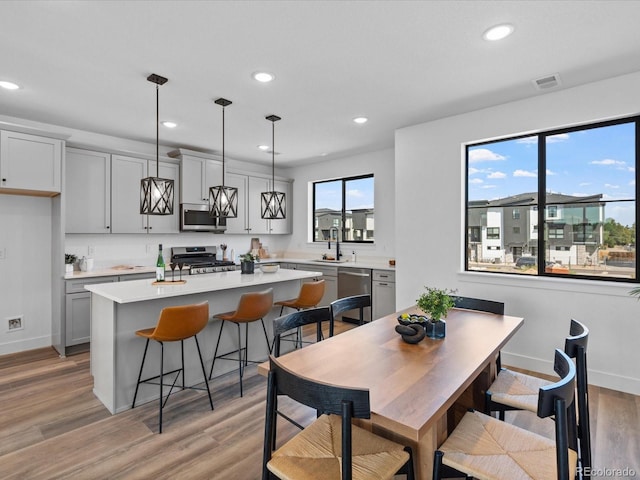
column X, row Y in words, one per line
column 482, row 305
column 484, row 447
column 331, row 447
column 355, row 302
column 517, row 391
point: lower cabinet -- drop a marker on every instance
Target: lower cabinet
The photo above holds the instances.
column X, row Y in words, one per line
column 383, row 298
column 78, row 306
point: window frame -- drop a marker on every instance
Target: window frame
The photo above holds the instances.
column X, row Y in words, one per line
column 541, row 207
column 343, row 213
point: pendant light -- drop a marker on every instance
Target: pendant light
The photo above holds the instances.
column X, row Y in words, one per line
column 156, row 194
column 273, row 203
column 223, row 200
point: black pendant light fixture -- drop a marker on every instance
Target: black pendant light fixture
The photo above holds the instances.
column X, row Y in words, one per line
column 156, row 194
column 273, row 203
column 223, row 200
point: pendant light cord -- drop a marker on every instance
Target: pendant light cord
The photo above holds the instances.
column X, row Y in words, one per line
column 157, row 130
column 223, row 146
column 273, row 156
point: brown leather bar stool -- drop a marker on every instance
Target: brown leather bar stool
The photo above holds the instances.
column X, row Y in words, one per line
column 174, row 324
column 252, row 307
column 310, row 295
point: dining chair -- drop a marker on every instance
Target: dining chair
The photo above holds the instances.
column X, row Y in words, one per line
column 252, row 306
column 338, row 307
column 484, row 447
column 331, row 447
column 518, row 391
column 482, row 305
column 175, row 324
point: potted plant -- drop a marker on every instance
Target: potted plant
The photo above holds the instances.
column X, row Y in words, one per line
column 69, row 260
column 436, row 303
column 247, row 262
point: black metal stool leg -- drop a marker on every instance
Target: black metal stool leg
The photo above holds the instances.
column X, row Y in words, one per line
column 204, row 373
column 215, row 353
column 240, row 361
column 161, row 381
column 144, row 356
column 182, row 351
column 266, row 337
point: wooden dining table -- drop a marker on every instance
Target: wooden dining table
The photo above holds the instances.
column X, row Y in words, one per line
column 417, row 391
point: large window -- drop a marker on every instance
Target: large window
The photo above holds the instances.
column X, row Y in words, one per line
column 344, row 208
column 577, row 184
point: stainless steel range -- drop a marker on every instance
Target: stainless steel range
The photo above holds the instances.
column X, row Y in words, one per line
column 200, row 259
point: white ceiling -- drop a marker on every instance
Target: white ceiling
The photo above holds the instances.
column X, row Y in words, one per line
column 83, row 65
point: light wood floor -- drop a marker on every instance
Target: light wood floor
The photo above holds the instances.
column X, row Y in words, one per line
column 51, row 426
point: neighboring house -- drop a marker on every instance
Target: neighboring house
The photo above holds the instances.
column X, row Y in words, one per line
column 503, row 230
column 359, row 224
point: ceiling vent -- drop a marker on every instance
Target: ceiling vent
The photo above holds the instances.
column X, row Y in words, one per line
column 547, row 82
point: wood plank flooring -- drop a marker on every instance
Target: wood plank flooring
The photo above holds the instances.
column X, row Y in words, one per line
column 52, row 427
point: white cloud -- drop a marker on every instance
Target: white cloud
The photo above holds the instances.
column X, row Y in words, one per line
column 561, row 137
column 549, row 172
column 608, row 185
column 528, row 140
column 484, row 155
column 632, row 182
column 607, row 161
column 488, row 186
column 524, row 173
column 473, row 171
column 497, row 175
column 584, row 184
column 476, row 181
column 355, row 194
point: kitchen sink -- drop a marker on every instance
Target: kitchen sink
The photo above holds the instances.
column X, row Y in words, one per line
column 322, row 260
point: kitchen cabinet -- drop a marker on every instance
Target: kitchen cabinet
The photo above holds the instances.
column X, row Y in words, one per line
column 30, row 164
column 126, row 173
column 78, row 309
column 249, row 219
column 87, row 190
column 383, row 287
column 196, row 176
column 330, row 277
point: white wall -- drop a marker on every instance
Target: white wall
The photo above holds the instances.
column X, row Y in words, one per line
column 429, row 159
column 381, row 164
column 25, row 272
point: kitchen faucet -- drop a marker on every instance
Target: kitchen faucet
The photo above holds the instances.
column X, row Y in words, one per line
column 338, row 254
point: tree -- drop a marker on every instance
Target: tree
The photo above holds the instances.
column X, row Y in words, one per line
column 616, row 234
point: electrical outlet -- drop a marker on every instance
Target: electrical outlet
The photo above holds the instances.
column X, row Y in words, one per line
column 91, row 250
column 3, row 253
column 15, row 323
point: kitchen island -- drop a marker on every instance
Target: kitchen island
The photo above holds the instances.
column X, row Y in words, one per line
column 118, row 310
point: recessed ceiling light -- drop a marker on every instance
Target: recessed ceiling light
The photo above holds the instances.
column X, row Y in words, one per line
column 263, row 77
column 498, row 32
column 361, row 120
column 9, row 85
column 264, row 148
column 170, row 124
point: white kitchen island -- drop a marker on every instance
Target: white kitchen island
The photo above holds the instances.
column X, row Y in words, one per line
column 119, row 309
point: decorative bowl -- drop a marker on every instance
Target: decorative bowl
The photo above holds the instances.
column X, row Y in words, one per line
column 269, row 267
column 413, row 319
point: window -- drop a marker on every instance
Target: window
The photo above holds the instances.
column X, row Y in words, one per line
column 493, row 233
column 346, row 206
column 570, row 195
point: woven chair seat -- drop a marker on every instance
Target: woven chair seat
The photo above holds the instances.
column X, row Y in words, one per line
column 315, row 453
column 517, row 390
column 489, row 449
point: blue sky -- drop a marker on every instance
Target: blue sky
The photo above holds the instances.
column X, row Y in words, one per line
column 586, row 162
column 359, row 194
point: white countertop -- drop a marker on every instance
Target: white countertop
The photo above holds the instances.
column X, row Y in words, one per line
column 142, row 290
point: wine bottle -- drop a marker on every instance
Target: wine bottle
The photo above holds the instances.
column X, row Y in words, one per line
column 160, row 266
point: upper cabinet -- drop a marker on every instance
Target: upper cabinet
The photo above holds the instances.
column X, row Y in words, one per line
column 30, row 164
column 198, row 174
column 87, row 190
column 126, row 173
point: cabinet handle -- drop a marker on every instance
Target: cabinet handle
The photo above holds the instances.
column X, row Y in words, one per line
column 4, row 179
column 150, row 228
column 383, row 284
column 107, row 227
column 384, row 276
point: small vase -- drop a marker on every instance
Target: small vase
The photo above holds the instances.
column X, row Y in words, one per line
column 436, row 329
column 68, row 267
column 247, row 267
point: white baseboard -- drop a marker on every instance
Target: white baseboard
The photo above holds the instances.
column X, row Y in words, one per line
column 601, row 379
column 26, row 344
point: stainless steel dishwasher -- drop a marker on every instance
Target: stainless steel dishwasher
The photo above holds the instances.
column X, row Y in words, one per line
column 354, row 281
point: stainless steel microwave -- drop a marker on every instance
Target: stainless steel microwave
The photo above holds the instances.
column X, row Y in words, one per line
column 195, row 218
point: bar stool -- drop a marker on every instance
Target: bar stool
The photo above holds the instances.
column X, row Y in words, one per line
column 310, row 295
column 174, row 324
column 252, row 307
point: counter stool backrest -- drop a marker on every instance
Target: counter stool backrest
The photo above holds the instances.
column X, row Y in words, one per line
column 181, row 322
column 253, row 306
column 310, row 294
